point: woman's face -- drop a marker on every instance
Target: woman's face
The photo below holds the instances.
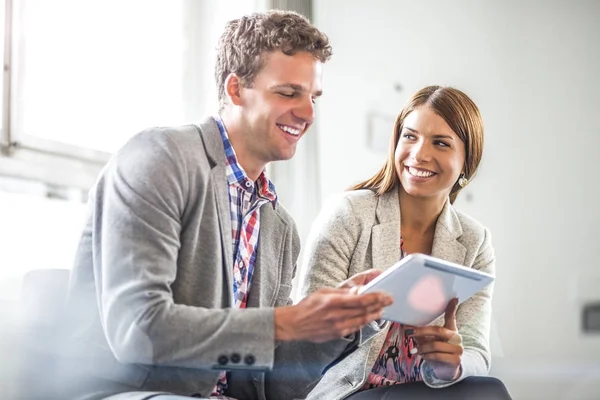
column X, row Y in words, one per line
column 429, row 155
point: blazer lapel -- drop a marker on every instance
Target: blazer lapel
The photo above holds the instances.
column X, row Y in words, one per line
column 209, row 132
column 385, row 235
column 267, row 268
column 447, row 231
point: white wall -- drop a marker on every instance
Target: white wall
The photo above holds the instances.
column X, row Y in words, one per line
column 533, row 68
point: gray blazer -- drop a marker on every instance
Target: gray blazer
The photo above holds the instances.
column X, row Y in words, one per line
column 151, row 290
column 362, row 231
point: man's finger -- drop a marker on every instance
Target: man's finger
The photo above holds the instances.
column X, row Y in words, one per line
column 369, row 275
column 349, row 300
column 361, row 279
column 450, row 315
column 340, row 311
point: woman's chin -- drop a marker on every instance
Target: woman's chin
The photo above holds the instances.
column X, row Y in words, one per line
column 422, row 193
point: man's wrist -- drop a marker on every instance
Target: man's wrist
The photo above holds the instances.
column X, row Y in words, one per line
column 284, row 331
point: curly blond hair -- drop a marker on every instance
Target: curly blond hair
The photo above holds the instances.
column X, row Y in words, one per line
column 246, row 40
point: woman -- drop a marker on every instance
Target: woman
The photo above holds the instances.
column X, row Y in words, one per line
column 407, row 208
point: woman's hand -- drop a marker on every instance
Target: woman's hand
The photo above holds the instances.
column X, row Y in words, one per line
column 441, row 346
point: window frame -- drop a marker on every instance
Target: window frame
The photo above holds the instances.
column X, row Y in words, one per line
column 28, row 157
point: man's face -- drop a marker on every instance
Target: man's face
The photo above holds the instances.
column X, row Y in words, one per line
column 279, row 107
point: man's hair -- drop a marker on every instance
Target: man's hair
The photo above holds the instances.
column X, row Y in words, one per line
column 246, row 40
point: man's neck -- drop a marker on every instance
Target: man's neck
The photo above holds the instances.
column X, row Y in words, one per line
column 418, row 215
column 252, row 166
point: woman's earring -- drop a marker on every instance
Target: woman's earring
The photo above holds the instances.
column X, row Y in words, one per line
column 462, row 181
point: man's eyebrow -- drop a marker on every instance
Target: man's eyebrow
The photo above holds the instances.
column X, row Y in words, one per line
column 296, row 87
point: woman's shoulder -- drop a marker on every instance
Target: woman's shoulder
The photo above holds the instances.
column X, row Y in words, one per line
column 471, row 227
column 361, row 197
column 349, row 207
column 352, row 199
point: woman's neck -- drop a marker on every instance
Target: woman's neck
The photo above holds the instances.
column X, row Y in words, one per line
column 418, row 215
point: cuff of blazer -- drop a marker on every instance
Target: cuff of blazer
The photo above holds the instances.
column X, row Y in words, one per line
column 471, row 365
column 434, row 382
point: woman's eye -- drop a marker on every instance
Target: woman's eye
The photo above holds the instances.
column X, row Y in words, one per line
column 442, row 144
column 408, row 135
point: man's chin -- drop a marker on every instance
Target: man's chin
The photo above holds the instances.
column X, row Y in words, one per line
column 285, row 156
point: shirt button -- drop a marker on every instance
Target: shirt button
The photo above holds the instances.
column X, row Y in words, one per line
column 222, row 360
column 249, row 359
column 248, row 184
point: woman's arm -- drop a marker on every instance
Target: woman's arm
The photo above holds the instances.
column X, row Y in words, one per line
column 473, row 319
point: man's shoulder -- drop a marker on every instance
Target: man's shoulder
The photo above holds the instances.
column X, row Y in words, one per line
column 167, row 137
column 175, row 145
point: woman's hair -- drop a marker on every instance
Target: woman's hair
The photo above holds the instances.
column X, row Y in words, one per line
column 246, row 40
column 459, row 112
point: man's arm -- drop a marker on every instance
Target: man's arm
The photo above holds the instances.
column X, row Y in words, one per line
column 137, row 221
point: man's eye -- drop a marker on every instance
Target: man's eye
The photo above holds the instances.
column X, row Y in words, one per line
column 287, row 94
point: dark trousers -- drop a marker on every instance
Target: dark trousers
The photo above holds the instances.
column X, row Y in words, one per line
column 471, row 388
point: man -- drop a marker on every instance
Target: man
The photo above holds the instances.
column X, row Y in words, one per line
column 182, row 279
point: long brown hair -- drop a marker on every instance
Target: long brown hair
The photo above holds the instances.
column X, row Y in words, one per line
column 459, row 112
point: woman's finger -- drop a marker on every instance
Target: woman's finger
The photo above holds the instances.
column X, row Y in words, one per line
column 439, row 347
column 431, row 333
column 450, row 315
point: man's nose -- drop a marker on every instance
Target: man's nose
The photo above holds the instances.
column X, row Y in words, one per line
column 306, row 110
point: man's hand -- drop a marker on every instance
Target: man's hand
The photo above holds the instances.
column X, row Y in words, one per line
column 328, row 314
column 355, row 282
column 442, row 346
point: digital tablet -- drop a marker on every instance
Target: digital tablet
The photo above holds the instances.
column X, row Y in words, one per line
column 422, row 286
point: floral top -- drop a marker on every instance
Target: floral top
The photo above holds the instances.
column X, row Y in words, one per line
column 395, row 364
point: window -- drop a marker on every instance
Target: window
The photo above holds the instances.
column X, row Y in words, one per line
column 84, row 77
column 93, row 80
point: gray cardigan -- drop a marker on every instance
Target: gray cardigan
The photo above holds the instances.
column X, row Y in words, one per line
column 360, row 231
column 151, row 290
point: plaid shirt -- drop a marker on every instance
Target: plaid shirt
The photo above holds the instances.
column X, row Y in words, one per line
column 245, row 199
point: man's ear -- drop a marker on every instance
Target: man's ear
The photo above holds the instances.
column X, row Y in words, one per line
column 233, row 88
